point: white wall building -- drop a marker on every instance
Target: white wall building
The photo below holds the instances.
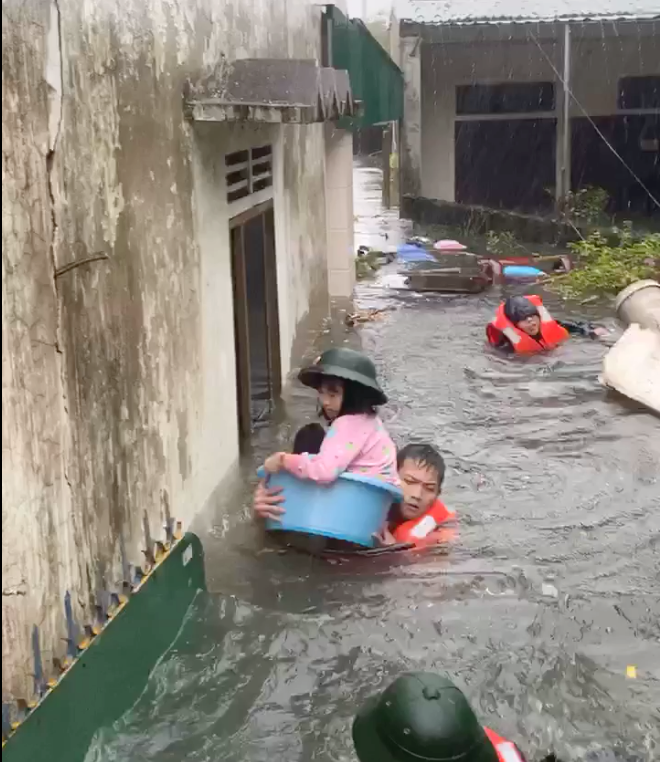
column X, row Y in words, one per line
column 513, row 106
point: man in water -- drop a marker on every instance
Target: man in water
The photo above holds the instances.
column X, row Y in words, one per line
column 421, row 471
column 523, row 325
column 424, row 716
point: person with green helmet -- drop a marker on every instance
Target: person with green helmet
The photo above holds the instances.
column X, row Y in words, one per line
column 357, row 441
column 424, row 717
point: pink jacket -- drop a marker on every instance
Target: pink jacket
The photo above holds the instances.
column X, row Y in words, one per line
column 357, row 444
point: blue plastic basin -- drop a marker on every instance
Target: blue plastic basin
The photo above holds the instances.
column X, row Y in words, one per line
column 352, row 508
column 410, row 252
column 521, row 271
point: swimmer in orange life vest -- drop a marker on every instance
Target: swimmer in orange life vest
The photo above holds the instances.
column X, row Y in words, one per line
column 419, row 517
column 424, row 716
column 522, row 325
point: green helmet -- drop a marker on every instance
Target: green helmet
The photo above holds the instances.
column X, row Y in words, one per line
column 421, row 717
column 347, row 364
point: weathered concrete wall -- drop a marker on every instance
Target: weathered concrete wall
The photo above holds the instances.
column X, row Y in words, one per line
column 339, row 212
column 411, row 128
column 119, row 374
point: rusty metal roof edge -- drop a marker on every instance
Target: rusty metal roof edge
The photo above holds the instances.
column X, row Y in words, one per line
column 250, row 104
column 333, row 99
column 408, row 23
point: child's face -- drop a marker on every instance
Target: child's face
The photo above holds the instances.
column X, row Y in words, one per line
column 331, row 396
column 530, row 325
column 419, row 484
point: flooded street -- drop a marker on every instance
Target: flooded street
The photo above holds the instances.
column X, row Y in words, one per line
column 548, row 592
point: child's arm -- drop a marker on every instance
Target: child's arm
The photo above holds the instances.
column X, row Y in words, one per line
column 342, row 444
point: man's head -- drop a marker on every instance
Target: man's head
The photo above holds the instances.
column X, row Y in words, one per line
column 523, row 314
column 421, row 471
column 420, row 716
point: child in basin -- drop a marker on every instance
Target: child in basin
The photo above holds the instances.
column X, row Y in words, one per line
column 357, row 441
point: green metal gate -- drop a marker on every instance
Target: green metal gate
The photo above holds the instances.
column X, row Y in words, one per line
column 376, row 80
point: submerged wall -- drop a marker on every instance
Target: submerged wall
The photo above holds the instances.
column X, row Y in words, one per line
column 118, row 344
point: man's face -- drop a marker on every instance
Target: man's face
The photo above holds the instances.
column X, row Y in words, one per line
column 530, row 325
column 420, row 487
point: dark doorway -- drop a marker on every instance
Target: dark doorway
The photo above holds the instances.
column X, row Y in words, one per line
column 256, row 323
column 506, row 164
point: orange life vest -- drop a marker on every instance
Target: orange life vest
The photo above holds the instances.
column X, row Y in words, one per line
column 552, row 334
column 506, row 750
column 417, row 531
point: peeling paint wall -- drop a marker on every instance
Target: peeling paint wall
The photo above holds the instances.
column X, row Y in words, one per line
column 118, row 374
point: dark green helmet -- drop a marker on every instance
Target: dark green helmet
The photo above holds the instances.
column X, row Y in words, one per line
column 421, row 717
column 347, row 364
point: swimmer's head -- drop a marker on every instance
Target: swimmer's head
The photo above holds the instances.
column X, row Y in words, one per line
column 422, row 472
column 523, row 314
column 420, row 716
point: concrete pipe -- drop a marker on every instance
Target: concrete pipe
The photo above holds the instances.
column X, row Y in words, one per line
column 640, row 303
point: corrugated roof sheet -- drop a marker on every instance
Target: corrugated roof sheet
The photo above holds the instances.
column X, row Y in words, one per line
column 492, row 11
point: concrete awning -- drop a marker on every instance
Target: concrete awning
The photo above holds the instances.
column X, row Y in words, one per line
column 272, row 91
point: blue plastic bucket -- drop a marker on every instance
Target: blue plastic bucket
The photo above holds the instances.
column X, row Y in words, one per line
column 352, row 508
column 521, row 271
column 410, row 252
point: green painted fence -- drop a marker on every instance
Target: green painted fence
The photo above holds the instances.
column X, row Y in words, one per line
column 375, row 79
column 109, row 676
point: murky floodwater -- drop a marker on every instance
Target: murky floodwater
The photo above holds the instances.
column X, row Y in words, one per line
column 548, row 592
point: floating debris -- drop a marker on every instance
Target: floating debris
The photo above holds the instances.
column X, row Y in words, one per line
column 365, row 316
column 447, row 244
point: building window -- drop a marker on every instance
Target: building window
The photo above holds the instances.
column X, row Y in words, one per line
column 248, row 172
column 639, row 93
column 509, row 98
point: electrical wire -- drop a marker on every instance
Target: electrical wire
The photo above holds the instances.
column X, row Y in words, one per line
column 593, row 124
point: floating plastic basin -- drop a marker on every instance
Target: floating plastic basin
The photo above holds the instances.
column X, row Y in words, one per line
column 410, row 252
column 520, row 271
column 352, row 508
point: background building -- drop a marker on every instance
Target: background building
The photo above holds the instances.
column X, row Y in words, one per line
column 512, row 108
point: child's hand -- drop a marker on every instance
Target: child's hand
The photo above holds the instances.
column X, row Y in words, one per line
column 274, row 463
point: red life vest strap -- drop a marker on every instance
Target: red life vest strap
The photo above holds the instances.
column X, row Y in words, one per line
column 507, row 751
column 416, row 530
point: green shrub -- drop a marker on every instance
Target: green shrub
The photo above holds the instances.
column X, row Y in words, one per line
column 587, row 205
column 606, row 265
column 503, row 244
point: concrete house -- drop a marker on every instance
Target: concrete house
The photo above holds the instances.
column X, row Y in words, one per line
column 511, row 106
column 177, row 207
